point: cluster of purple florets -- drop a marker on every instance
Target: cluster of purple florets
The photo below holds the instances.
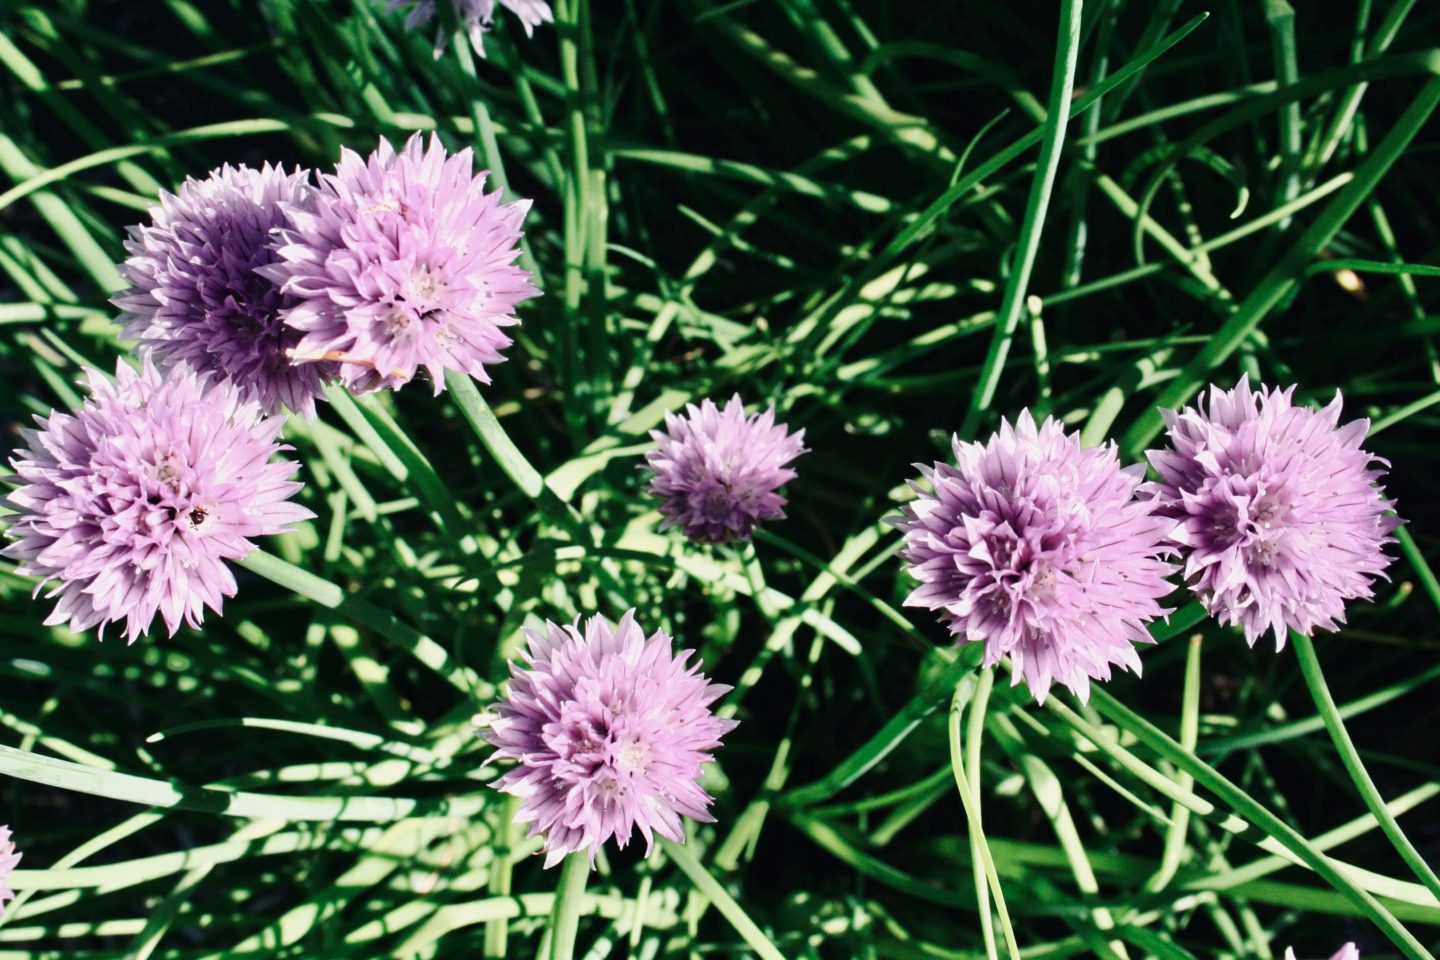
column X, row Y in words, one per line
column 1040, row 549
column 1056, row 556
column 253, row 292
column 475, row 16
column 249, row 293
column 609, row 731
column 281, row 282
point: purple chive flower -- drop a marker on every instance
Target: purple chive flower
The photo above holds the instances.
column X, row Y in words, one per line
column 1040, row 550
column 132, row 504
column 404, row 261
column 8, row 861
column 196, row 295
column 609, row 732
column 716, row 471
column 1347, row 952
column 476, row 16
column 1282, row 518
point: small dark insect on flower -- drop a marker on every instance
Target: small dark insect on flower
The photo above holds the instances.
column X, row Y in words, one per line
column 130, row 507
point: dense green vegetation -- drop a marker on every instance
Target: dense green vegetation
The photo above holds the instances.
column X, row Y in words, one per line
column 876, row 217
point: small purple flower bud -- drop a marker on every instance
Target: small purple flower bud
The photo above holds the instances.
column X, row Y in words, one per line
column 717, row 471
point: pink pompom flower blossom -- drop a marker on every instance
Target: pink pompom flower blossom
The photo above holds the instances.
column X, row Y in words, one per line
column 608, row 731
column 197, row 293
column 130, row 506
column 402, row 262
column 9, row 860
column 717, row 471
column 1281, row 514
column 476, row 16
column 1039, row 549
column 1347, row 952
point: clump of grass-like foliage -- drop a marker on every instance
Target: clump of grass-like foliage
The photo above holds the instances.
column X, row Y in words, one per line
column 892, row 221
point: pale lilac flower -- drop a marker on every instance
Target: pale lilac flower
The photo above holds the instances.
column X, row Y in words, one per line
column 476, row 16
column 609, row 732
column 8, row 861
column 403, row 261
column 1282, row 517
column 196, row 295
column 131, row 506
column 1347, row 952
column 717, row 471
column 1041, row 551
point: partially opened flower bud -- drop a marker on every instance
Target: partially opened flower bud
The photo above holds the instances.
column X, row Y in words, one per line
column 476, row 16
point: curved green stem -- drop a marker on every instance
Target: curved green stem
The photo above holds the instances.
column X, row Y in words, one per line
column 974, row 732
column 1287, row 271
column 972, row 819
column 332, row 596
column 1049, row 794
column 1189, row 735
column 708, row 886
column 494, row 438
column 889, row 737
column 1253, row 812
column 565, row 915
column 1350, row 757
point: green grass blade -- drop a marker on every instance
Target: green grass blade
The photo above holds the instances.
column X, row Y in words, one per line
column 1288, row 271
column 1052, row 138
column 1242, row 803
column 711, row 889
column 1354, row 766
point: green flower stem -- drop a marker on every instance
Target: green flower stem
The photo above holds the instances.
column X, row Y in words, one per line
column 215, row 799
column 1289, row 269
column 1052, row 138
column 974, row 733
column 969, row 801
column 209, row 131
column 508, row 456
column 889, row 736
column 565, row 915
column 1417, row 559
column 1189, row 734
column 1049, row 794
column 331, row 595
column 531, row 483
column 1350, row 757
column 497, row 931
column 1284, row 836
column 1396, row 892
column 715, row 893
